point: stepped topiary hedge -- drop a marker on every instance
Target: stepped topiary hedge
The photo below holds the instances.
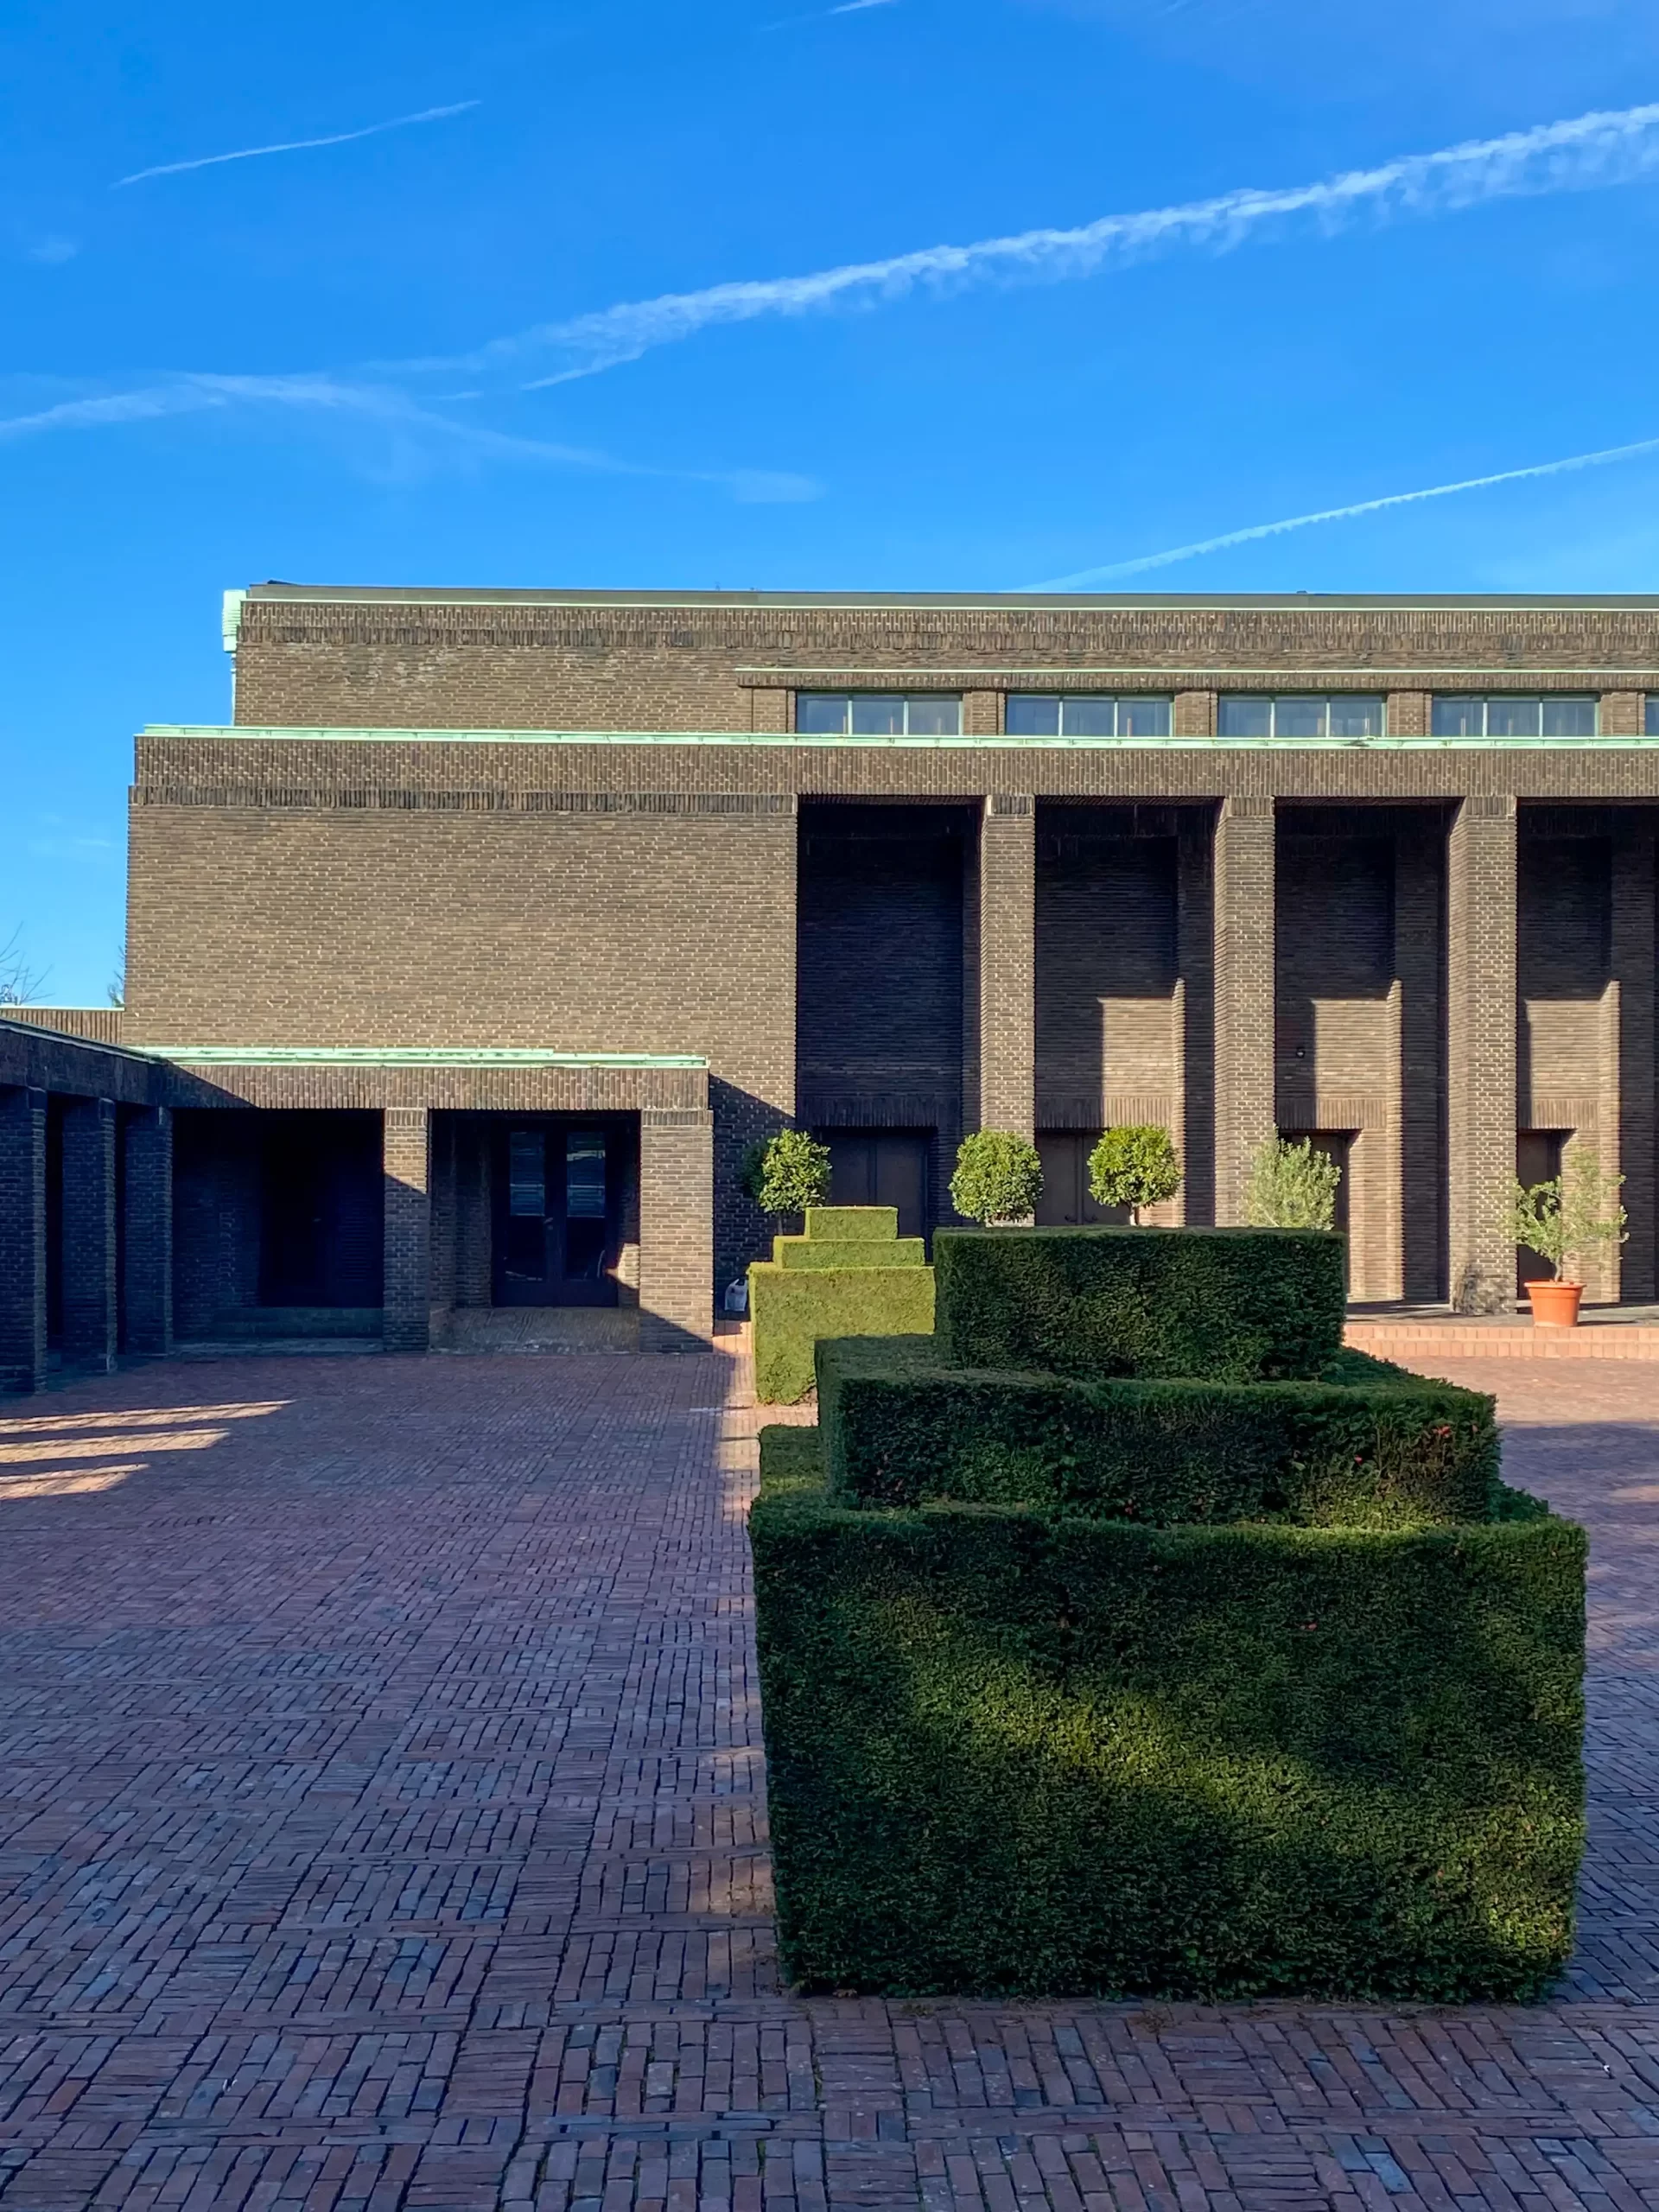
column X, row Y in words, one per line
column 851, row 1271
column 1029, row 1754
column 1083, row 1674
column 1225, row 1305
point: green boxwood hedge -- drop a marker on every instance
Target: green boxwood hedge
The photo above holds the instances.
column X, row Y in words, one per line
column 1031, row 1755
column 1388, row 1450
column 1221, row 1305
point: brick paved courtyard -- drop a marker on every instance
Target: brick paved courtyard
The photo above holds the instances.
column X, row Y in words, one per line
column 381, row 1824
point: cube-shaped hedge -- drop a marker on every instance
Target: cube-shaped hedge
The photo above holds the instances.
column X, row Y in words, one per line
column 852, row 1272
column 1383, row 1449
column 1222, row 1305
column 1025, row 1753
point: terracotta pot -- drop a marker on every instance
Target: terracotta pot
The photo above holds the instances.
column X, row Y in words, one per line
column 1555, row 1305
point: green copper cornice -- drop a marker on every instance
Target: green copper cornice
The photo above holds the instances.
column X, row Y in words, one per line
column 255, row 734
column 409, row 1056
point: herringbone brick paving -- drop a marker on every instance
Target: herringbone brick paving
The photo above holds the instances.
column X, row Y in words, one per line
column 381, row 1825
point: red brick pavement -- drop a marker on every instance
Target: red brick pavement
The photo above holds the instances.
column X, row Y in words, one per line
column 381, row 1826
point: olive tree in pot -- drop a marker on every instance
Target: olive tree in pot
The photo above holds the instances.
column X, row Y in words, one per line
column 1566, row 1221
column 1133, row 1166
column 1291, row 1186
column 998, row 1179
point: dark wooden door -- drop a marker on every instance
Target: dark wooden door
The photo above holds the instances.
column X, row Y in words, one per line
column 1065, row 1203
column 882, row 1167
column 557, row 1204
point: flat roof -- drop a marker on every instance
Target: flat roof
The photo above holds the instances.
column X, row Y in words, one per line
column 1322, row 602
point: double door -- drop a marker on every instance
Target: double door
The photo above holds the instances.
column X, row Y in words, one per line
column 883, row 1168
column 558, row 1206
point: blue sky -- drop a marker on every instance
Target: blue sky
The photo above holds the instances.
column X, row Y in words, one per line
column 399, row 358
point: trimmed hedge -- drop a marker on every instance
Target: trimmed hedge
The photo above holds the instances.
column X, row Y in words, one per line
column 1027, row 1754
column 1217, row 1305
column 792, row 1307
column 848, row 1252
column 851, row 1271
column 853, row 1224
column 1387, row 1452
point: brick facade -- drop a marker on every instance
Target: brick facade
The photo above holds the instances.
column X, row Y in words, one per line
column 584, row 825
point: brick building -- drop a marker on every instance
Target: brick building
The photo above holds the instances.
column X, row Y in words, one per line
column 465, row 962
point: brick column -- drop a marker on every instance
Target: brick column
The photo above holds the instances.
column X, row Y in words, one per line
column 89, row 1288
column 1008, row 921
column 1480, row 1029
column 407, row 1296
column 1419, row 935
column 147, row 1257
column 676, row 1228
column 1633, row 949
column 1244, row 996
column 22, row 1239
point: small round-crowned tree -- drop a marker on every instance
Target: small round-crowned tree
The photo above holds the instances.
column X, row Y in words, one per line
column 1291, row 1186
column 998, row 1179
column 1133, row 1166
column 788, row 1174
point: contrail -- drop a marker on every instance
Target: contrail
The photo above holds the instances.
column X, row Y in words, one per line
column 196, row 393
column 1086, row 576
column 296, row 145
column 1611, row 147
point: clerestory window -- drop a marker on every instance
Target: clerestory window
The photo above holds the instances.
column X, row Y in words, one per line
column 1296, row 715
column 1455, row 715
column 1035, row 714
column 868, row 714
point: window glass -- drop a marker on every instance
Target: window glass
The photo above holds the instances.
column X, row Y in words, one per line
column 1651, row 722
column 1143, row 717
column 863, row 714
column 1298, row 717
column 815, row 712
column 584, row 1175
column 1035, row 714
column 878, row 717
column 1355, row 718
column 1088, row 717
column 934, row 717
column 526, row 1174
column 1569, row 717
column 1456, row 717
column 1512, row 717
column 1032, row 715
column 1246, row 718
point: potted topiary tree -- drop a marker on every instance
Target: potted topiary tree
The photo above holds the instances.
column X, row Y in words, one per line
column 998, row 1179
column 1133, row 1166
column 1564, row 1221
column 1291, row 1186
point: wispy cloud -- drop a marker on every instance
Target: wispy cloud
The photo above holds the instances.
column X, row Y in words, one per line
column 1114, row 570
column 295, row 145
column 383, row 404
column 1605, row 147
column 52, row 251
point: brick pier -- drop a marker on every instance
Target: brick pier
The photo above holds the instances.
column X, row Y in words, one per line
column 381, row 1825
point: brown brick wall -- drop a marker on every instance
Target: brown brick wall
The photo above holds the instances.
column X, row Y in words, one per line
column 1007, row 917
column 676, row 1223
column 1243, row 995
column 1481, row 1052
column 407, row 1156
column 23, row 1238
column 540, row 666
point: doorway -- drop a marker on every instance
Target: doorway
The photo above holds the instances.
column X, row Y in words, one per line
column 559, row 1185
column 1065, row 1202
column 882, row 1167
column 1538, row 1154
